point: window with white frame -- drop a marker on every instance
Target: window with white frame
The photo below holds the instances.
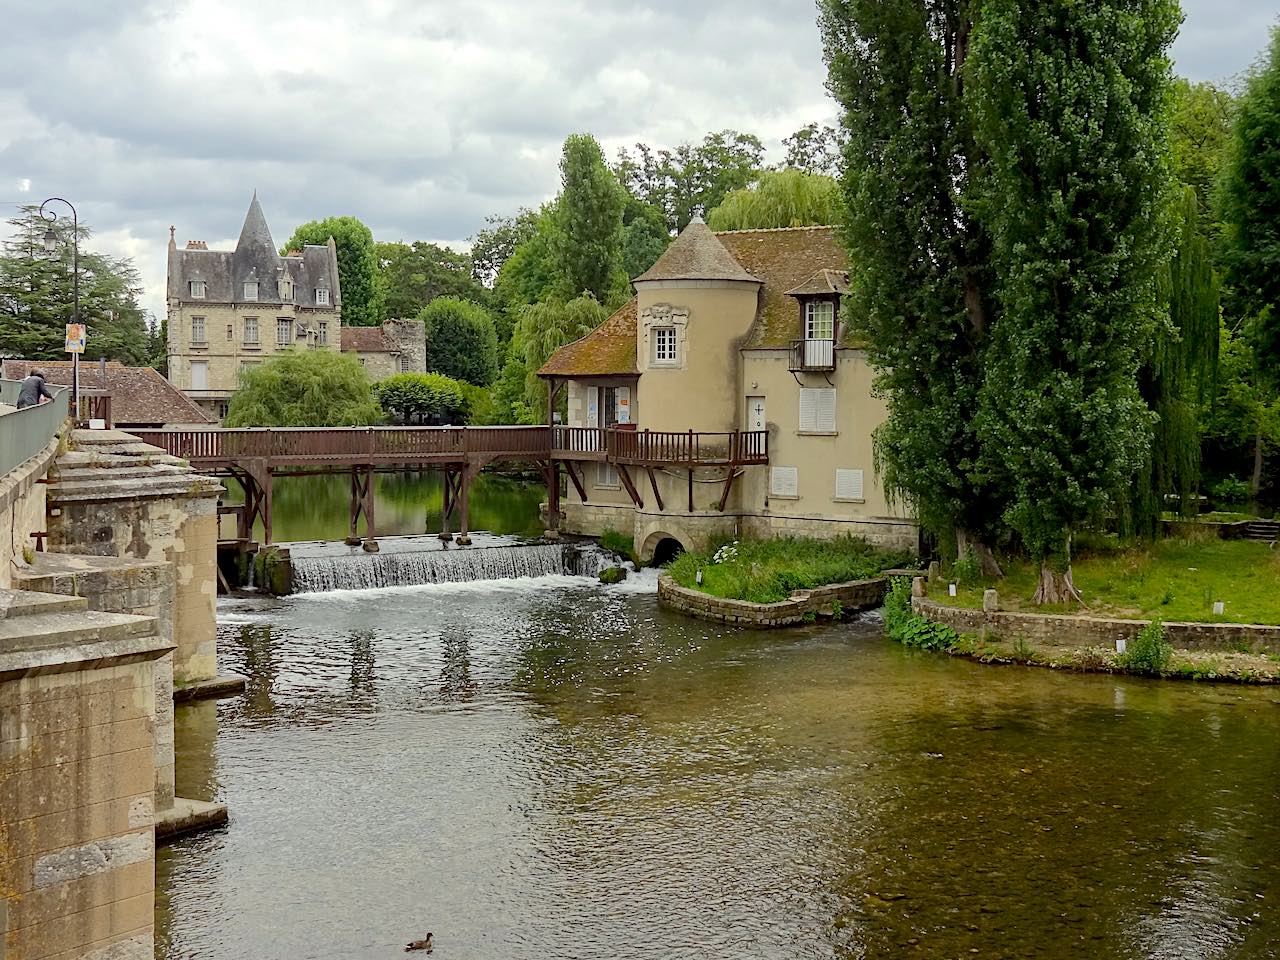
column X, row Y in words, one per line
column 286, row 289
column 197, row 331
column 322, row 296
column 250, row 331
column 251, row 290
column 607, row 475
column 817, row 410
column 849, row 485
column 322, row 333
column 819, row 320
column 784, row 481
column 664, row 345
column 284, row 331
column 196, row 289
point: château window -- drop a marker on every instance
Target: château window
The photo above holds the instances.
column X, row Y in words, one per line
column 196, row 288
column 284, row 331
column 819, row 320
column 250, row 331
column 322, row 296
column 322, row 333
column 197, row 331
column 286, row 289
column 664, row 345
column 251, row 290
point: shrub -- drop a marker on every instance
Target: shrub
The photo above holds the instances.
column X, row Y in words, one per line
column 1149, row 652
column 907, row 627
column 1229, row 492
column 427, row 398
column 618, row 543
column 304, row 388
column 967, row 570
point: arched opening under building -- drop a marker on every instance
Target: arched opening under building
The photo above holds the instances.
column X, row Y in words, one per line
column 666, row 550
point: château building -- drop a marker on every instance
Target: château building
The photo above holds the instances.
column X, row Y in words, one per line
column 738, row 331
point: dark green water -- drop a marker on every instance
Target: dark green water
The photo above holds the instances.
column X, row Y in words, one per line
column 317, row 508
column 548, row 769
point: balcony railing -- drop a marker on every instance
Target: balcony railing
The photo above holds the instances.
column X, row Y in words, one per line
column 653, row 447
column 813, row 356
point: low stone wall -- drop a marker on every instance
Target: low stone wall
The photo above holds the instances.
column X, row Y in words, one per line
column 855, row 595
column 1083, row 631
column 22, row 506
column 889, row 534
column 592, row 519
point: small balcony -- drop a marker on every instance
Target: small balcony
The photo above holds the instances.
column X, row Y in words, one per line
column 813, row 356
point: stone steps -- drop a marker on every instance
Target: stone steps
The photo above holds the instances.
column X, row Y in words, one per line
column 1262, row 530
column 25, row 603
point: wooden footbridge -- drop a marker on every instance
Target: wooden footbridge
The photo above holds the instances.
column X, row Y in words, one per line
column 255, row 457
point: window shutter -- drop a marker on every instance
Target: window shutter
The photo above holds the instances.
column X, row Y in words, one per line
column 848, row 484
column 784, row 482
column 818, row 410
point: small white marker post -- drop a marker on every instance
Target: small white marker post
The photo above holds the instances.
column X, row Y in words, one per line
column 1219, row 608
column 951, row 589
column 1121, row 644
column 698, row 578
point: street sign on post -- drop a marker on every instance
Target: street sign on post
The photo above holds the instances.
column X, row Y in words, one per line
column 75, row 338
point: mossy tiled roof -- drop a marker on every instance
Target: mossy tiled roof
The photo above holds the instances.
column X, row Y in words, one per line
column 608, row 350
column 784, row 259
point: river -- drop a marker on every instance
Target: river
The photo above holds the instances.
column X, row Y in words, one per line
column 549, row 769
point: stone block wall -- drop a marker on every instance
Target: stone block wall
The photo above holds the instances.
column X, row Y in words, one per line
column 889, row 534
column 77, row 865
column 1082, row 631
column 592, row 519
column 854, row 595
column 22, row 512
column 410, row 338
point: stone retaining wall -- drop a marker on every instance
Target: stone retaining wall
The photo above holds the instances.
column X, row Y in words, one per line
column 22, row 506
column 1081, row 631
column 855, row 595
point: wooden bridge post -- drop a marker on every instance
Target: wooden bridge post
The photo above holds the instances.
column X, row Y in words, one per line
column 464, row 478
column 371, row 533
column 447, row 507
column 552, row 474
column 353, row 532
column 268, row 483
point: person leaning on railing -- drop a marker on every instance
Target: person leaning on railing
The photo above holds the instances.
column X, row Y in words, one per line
column 33, row 390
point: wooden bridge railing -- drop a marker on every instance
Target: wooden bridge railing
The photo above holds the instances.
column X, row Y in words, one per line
column 740, row 447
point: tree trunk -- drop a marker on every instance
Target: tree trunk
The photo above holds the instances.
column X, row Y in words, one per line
column 1255, row 484
column 965, row 542
column 1056, row 586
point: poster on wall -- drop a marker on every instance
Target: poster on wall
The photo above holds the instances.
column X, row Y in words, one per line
column 75, row 338
column 623, row 411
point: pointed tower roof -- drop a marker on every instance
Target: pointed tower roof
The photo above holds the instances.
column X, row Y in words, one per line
column 255, row 250
column 696, row 255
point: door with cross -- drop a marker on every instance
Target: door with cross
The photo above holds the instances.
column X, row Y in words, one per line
column 755, row 413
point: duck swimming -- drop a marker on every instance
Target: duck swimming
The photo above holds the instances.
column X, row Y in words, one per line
column 423, row 944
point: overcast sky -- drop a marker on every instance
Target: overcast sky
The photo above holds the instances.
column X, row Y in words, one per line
column 420, row 117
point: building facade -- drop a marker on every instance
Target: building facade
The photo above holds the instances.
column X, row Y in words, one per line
column 730, row 332
column 397, row 346
column 231, row 309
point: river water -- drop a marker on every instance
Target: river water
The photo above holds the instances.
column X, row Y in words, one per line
column 549, row 768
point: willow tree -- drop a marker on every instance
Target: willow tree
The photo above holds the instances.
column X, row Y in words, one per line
column 780, row 198
column 1071, row 102
column 920, row 276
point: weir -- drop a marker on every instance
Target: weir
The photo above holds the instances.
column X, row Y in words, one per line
column 410, row 561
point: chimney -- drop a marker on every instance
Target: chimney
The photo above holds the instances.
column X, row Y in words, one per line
column 197, row 245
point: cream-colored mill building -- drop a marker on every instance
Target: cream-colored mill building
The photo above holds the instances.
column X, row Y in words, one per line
column 732, row 336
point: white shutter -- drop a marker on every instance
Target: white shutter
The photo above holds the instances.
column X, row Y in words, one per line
column 848, row 484
column 818, row 410
column 199, row 375
column 784, row 482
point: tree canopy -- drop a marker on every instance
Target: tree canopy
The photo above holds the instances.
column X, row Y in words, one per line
column 429, row 399
column 461, row 342
column 586, row 241
column 813, row 149
column 411, row 275
column 357, row 265
column 690, row 178
column 1199, row 130
column 304, row 388
column 780, row 198
column 545, row 327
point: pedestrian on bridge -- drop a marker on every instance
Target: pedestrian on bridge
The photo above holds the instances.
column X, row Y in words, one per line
column 33, row 390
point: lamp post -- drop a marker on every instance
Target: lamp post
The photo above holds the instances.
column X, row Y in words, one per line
column 51, row 246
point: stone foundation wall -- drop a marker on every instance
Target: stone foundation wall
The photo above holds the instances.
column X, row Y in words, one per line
column 890, row 534
column 22, row 506
column 592, row 519
column 695, row 532
column 1072, row 631
column 855, row 595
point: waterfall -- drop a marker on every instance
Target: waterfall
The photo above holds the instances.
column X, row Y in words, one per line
column 396, row 566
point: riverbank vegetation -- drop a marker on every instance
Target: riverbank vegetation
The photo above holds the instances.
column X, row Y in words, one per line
column 768, row 571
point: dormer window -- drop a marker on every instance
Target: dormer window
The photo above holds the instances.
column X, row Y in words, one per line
column 286, row 289
column 196, row 289
column 819, row 320
column 322, row 296
column 251, row 290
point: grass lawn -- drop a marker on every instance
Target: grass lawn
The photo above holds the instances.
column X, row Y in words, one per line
column 767, row 571
column 1172, row 580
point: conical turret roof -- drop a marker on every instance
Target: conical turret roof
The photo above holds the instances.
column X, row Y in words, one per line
column 696, row 255
column 255, row 250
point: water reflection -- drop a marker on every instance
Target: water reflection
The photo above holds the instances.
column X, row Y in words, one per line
column 548, row 769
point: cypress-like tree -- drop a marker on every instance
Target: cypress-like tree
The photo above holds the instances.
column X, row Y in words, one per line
column 920, row 271
column 587, row 239
column 1071, row 102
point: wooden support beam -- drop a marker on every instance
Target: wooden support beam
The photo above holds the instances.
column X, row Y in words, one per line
column 631, row 487
column 653, row 484
column 691, row 489
column 577, row 482
column 370, row 528
column 553, row 495
column 266, row 509
column 464, row 480
column 728, row 485
column 446, row 509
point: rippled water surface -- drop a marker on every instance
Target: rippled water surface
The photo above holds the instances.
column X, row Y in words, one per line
column 549, row 769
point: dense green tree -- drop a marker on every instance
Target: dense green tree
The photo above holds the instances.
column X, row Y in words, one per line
column 429, row 399
column 691, row 178
column 1071, row 102
column 357, row 265
column 461, row 341
column 494, row 245
column 529, row 275
column 813, row 149
column 304, row 388
column 410, row 276
column 921, row 283
column 780, row 198
column 644, row 237
column 37, row 296
column 587, row 239
column 545, row 327
column 1199, row 131
column 1243, row 422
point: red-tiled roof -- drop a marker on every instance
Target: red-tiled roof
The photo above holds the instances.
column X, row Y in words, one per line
column 139, row 395
column 608, row 350
column 365, row 340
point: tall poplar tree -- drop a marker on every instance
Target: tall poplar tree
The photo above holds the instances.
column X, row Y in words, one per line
column 1071, row 102
column 587, row 239
column 920, row 271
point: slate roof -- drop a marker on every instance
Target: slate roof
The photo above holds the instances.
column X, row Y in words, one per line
column 696, row 255
column 254, row 258
column 139, row 395
column 365, row 340
column 785, row 260
column 608, row 350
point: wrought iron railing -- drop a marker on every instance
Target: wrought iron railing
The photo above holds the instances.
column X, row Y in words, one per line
column 813, row 355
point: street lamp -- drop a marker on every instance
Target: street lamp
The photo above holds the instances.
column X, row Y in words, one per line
column 51, row 246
